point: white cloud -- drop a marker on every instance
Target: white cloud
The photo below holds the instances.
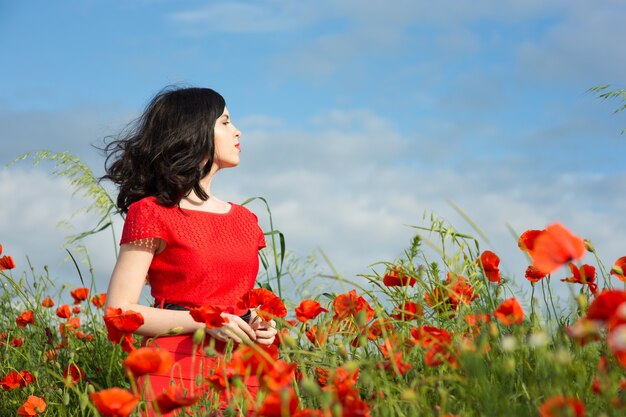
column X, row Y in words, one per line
column 352, row 183
column 34, row 204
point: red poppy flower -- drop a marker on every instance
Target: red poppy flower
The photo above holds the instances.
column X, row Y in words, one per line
column 395, row 277
column 79, row 294
column 17, row 341
column 396, row 365
column 251, row 360
column 526, row 241
column 87, row 337
column 32, row 406
column 349, row 304
column 316, row 336
column 6, row 262
column 114, row 402
column 619, row 269
column 490, row 262
column 281, row 375
column 426, row 336
column 459, row 290
column 379, row 328
column 267, row 304
column 27, row 317
column 584, row 331
column 99, row 300
column 559, row 406
column 616, row 341
column 64, row 311
column 11, row 380
column 586, row 274
column 209, row 315
column 47, row 302
column 533, row 274
column 148, row 360
column 509, row 312
column 308, row 412
column 554, row 247
column 308, row 310
column 16, row 379
column 71, row 325
column 354, row 406
column 605, row 304
column 52, row 354
column 474, row 320
column 73, row 373
column 278, row 404
column 120, row 325
column 123, row 321
column 27, row 378
column 438, row 354
column 407, row 311
column 343, row 382
column 172, row 398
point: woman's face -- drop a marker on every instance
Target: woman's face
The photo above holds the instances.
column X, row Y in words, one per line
column 226, row 142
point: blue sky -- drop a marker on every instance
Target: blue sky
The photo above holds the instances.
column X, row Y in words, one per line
column 357, row 116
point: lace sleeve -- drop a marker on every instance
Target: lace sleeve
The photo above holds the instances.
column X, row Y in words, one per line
column 151, row 244
column 142, row 223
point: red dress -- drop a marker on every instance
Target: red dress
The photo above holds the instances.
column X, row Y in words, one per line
column 209, row 259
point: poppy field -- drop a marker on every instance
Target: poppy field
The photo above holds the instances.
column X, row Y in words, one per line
column 431, row 337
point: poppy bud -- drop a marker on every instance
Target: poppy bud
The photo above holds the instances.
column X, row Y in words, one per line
column 589, row 246
column 341, row 349
column 198, row 336
column 91, row 388
column 498, row 291
column 175, row 330
column 493, row 330
column 210, row 351
column 563, row 357
column 351, row 366
column 583, row 301
column 290, row 341
column 617, row 269
column 66, row 398
column 408, row 395
column 361, row 318
column 307, row 385
column 509, row 365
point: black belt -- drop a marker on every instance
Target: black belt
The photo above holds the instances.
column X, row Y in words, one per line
column 167, row 306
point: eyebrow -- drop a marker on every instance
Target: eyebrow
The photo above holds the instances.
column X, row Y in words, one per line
column 226, row 116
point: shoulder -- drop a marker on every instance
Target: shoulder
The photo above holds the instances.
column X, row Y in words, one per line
column 244, row 212
column 147, row 204
column 143, row 203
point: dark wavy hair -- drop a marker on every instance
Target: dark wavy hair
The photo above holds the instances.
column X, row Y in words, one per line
column 159, row 154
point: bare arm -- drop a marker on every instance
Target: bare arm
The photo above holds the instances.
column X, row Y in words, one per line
column 124, row 291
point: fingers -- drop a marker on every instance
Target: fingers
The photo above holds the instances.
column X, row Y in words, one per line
column 239, row 330
column 236, row 329
column 265, row 333
column 266, row 342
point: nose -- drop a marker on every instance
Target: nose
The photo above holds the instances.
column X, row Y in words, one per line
column 237, row 132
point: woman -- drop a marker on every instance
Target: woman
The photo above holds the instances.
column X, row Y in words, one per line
column 192, row 248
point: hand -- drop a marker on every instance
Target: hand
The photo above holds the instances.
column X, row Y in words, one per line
column 265, row 331
column 236, row 329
